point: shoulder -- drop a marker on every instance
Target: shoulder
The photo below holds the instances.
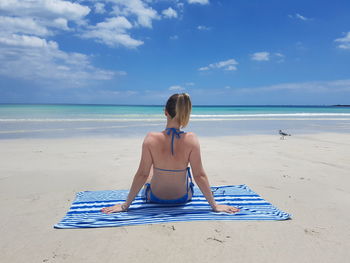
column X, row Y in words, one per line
column 192, row 138
column 151, row 137
column 191, row 135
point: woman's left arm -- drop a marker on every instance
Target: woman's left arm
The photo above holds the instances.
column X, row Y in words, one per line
column 139, row 179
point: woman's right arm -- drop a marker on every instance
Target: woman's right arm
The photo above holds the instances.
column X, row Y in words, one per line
column 139, row 179
column 202, row 181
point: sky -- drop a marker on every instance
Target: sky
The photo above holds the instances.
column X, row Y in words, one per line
column 227, row 52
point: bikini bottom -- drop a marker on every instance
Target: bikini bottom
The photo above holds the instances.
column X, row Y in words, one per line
column 152, row 198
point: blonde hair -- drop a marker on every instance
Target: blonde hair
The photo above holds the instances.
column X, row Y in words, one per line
column 179, row 106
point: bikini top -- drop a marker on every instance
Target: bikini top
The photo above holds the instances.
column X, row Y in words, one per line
column 187, row 169
column 178, row 170
column 174, row 133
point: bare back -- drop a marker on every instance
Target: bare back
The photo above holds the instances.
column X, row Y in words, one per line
column 168, row 184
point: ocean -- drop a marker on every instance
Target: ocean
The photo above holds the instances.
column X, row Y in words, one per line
column 52, row 121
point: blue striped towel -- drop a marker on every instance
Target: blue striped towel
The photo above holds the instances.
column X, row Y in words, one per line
column 86, row 212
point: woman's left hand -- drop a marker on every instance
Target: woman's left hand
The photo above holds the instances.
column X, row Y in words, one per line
column 114, row 209
column 226, row 209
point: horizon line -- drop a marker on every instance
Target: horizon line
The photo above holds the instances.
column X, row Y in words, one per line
column 199, row 105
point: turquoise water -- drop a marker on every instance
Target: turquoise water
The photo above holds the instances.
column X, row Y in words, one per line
column 114, row 112
column 80, row 120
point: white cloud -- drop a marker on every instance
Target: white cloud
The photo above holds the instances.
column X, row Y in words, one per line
column 344, row 42
column 60, row 23
column 31, row 25
column 45, row 8
column 202, row 2
column 119, row 24
column 112, row 32
column 144, row 13
column 40, row 17
column 302, row 88
column 203, row 28
column 49, row 17
column 24, row 25
column 229, row 65
column 29, row 50
column 169, row 13
column 99, row 8
column 36, row 59
column 176, row 88
column 26, row 54
column 26, row 41
column 311, row 86
column 261, row 56
column 299, row 17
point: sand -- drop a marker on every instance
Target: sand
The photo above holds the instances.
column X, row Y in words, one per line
column 305, row 175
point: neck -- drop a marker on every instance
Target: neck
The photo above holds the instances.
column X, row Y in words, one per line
column 171, row 123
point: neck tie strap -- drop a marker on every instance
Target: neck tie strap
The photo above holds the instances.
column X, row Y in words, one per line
column 174, row 132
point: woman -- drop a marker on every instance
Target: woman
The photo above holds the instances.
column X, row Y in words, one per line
column 170, row 152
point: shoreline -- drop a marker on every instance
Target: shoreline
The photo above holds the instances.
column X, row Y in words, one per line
column 140, row 136
column 140, row 129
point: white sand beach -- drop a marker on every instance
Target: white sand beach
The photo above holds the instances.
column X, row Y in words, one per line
column 305, row 175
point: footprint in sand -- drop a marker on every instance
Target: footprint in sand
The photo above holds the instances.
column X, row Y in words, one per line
column 271, row 187
column 215, row 239
column 310, row 231
column 172, row 227
column 303, row 178
column 63, row 256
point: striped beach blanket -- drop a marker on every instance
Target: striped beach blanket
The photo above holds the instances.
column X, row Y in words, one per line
column 85, row 211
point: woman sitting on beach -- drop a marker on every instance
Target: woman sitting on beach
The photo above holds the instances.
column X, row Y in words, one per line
column 170, row 152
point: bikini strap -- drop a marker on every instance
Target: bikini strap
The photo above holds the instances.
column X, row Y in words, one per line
column 167, row 170
column 174, row 132
column 190, row 178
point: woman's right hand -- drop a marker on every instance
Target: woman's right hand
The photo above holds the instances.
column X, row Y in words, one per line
column 226, row 208
column 114, row 209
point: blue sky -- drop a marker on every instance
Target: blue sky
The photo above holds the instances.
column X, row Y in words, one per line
column 233, row 52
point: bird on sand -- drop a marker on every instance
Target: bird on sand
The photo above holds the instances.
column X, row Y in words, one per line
column 283, row 134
